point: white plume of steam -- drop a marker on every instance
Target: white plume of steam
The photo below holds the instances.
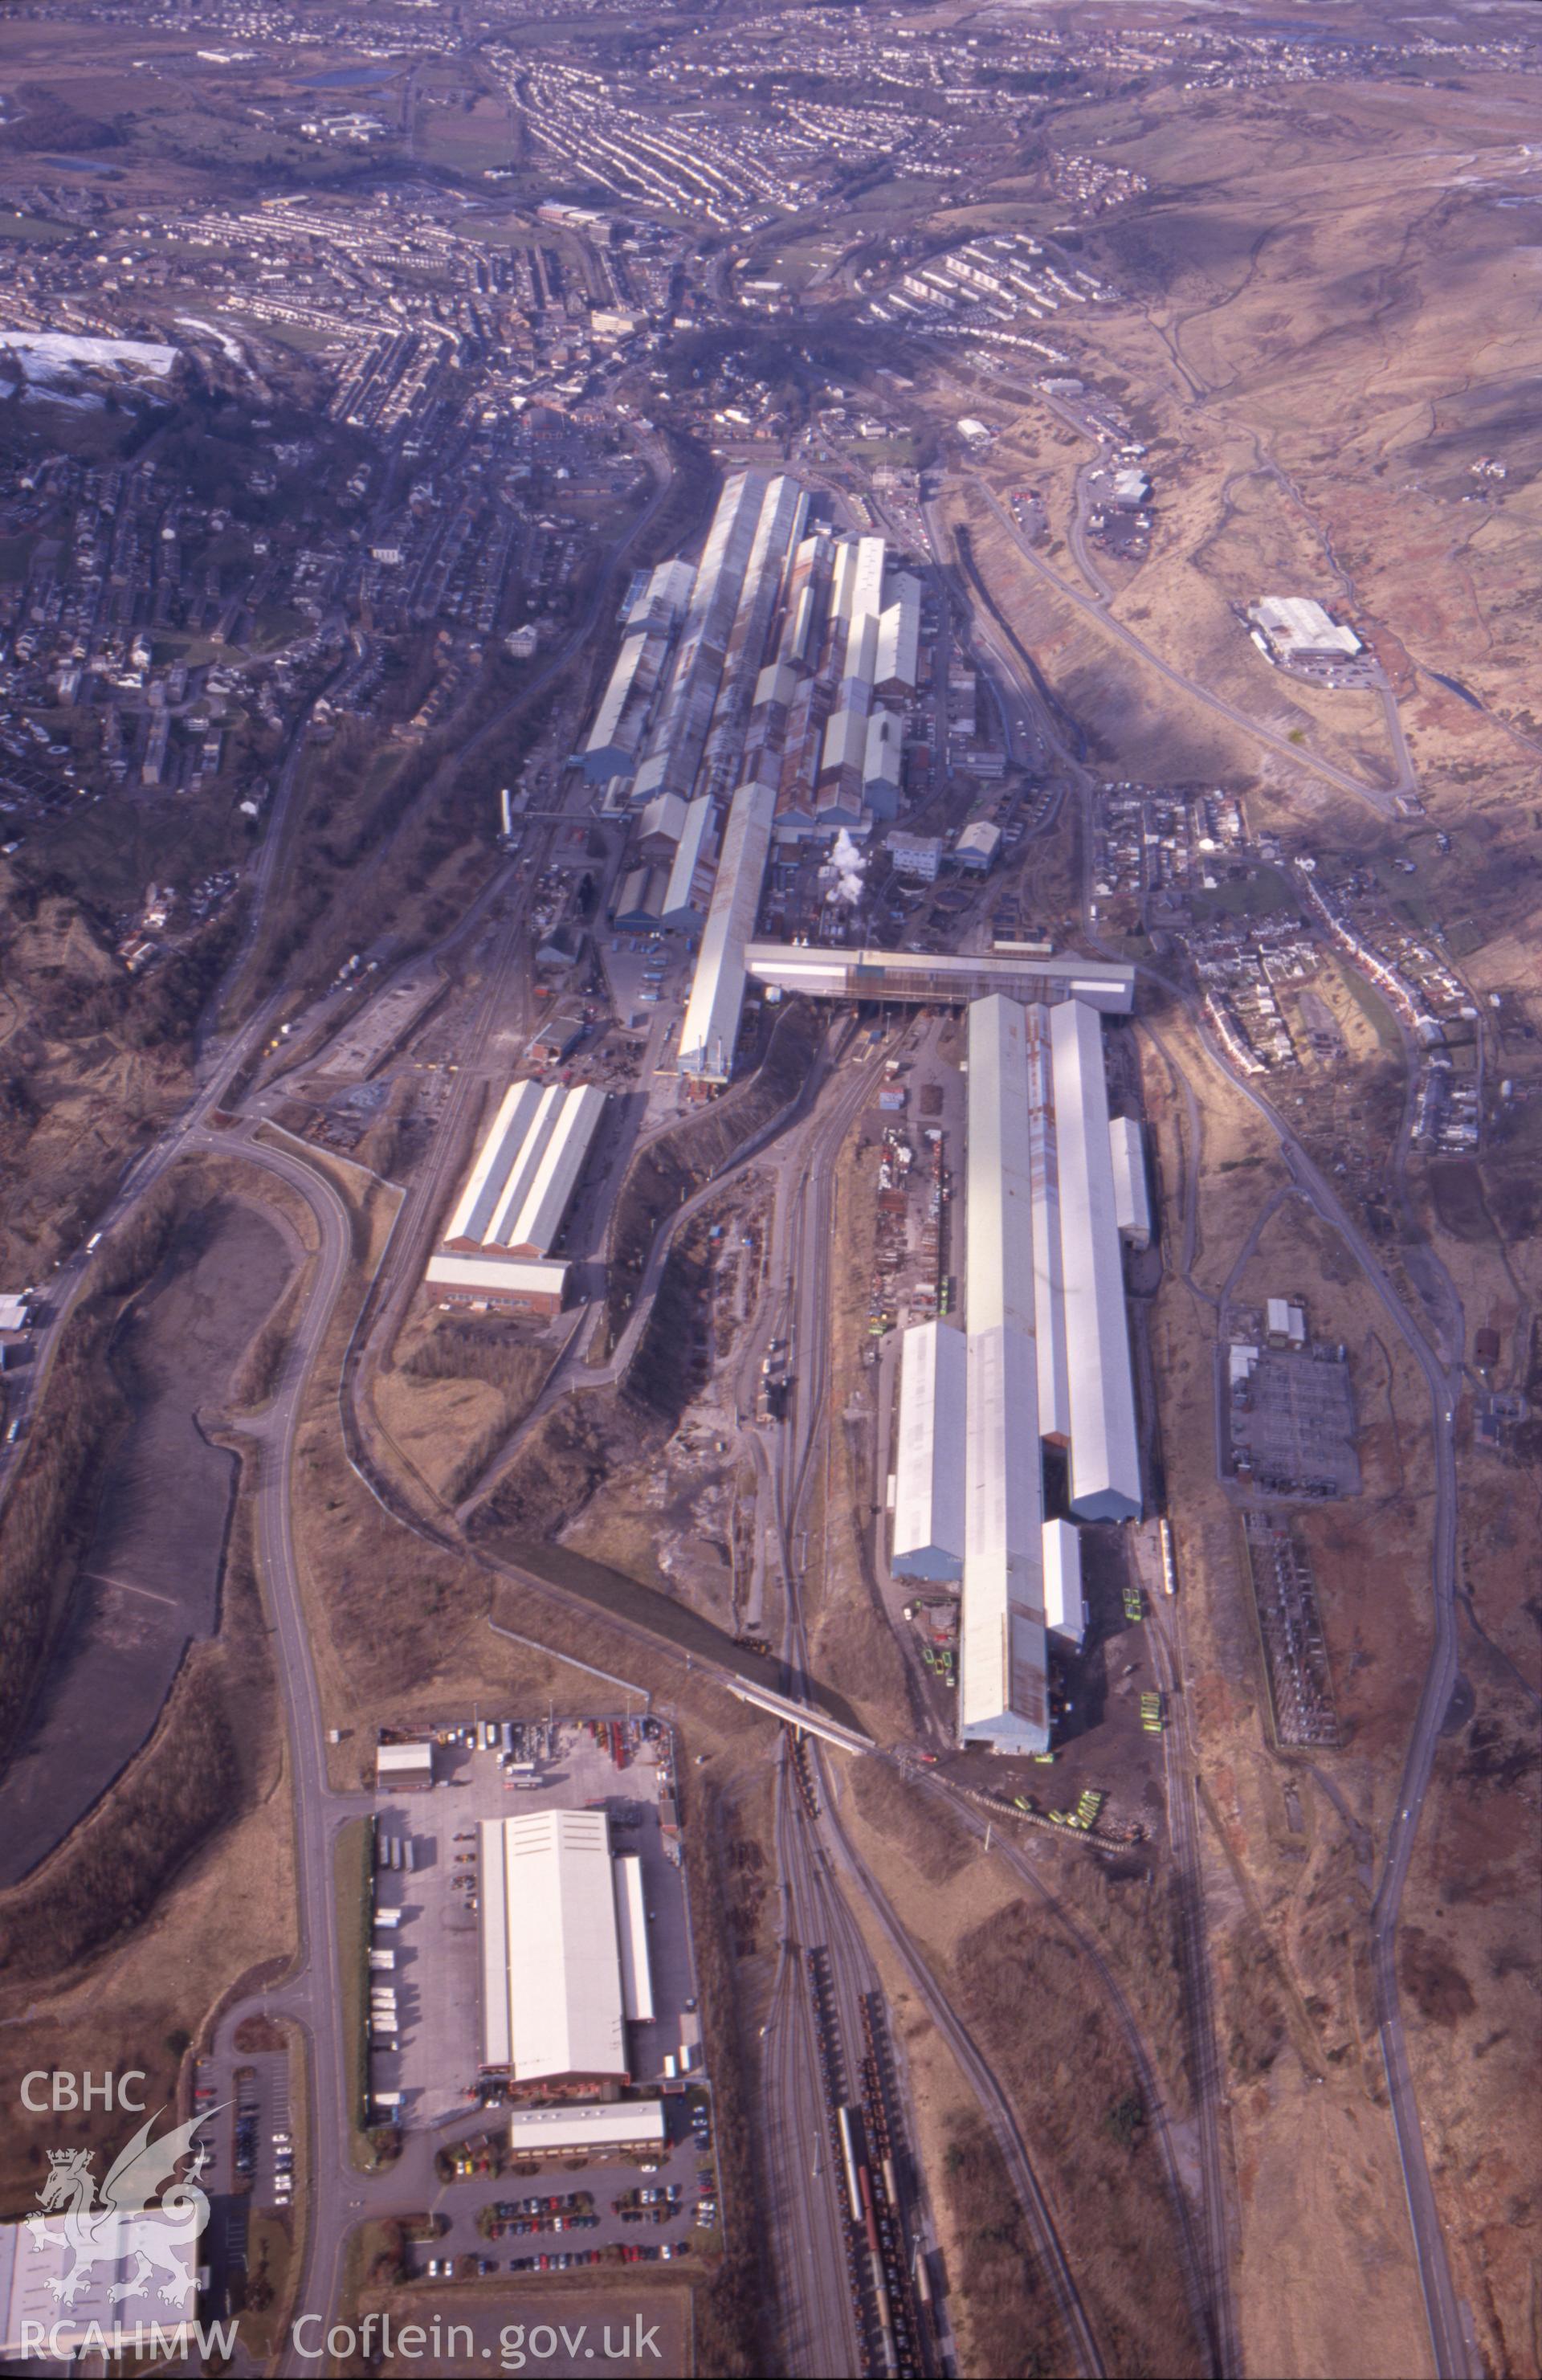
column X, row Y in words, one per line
column 841, row 875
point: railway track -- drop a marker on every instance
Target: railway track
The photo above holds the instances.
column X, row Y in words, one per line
column 1210, row 2321
column 834, row 1860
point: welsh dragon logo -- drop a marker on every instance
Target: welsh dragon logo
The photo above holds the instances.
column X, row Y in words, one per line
column 127, row 2221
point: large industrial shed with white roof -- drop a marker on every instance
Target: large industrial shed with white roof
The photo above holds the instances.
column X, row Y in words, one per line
column 1046, row 1359
column 564, row 1948
column 1003, row 1675
column 496, row 1246
column 929, row 1482
column 710, row 1029
column 1105, row 1454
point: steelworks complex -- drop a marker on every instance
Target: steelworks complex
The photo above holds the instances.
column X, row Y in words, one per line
column 1054, row 1187
column 759, row 700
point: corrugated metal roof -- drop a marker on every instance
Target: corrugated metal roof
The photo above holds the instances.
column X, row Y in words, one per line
column 711, row 1021
column 631, row 1926
column 546, row 2130
column 1004, row 1689
column 487, row 1179
column 1299, row 624
column 1054, row 1390
column 561, row 1954
column 534, row 1226
column 858, row 577
column 1062, row 1580
column 929, row 1454
column 1132, row 1207
column 1105, row 1454
column 846, row 742
column 611, row 748
column 935, row 975
column 495, row 1276
column 685, row 891
column 664, row 815
column 881, row 762
column 497, row 2037
column 999, row 1278
column 532, row 1148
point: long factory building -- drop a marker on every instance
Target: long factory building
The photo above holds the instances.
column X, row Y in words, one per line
column 496, row 1248
column 1043, row 1357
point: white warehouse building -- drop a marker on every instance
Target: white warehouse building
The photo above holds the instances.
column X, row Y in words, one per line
column 1064, row 1611
column 497, row 1244
column 1105, row 1454
column 710, row 1029
column 1054, row 1382
column 1003, row 1677
column 1298, row 628
column 928, row 1471
column 1132, row 1205
column 1045, row 1355
column 564, row 1948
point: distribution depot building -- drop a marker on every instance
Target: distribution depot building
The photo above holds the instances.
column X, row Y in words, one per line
column 564, row 1949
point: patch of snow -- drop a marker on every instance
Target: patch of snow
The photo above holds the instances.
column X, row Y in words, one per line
column 48, row 354
column 221, row 338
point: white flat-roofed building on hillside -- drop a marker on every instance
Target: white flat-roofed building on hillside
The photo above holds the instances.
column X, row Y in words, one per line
column 1298, row 628
column 1105, row 1454
column 929, row 1451
column 552, row 1992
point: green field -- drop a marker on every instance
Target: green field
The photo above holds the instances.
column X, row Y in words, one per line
column 37, row 229
column 466, row 141
column 1260, row 895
